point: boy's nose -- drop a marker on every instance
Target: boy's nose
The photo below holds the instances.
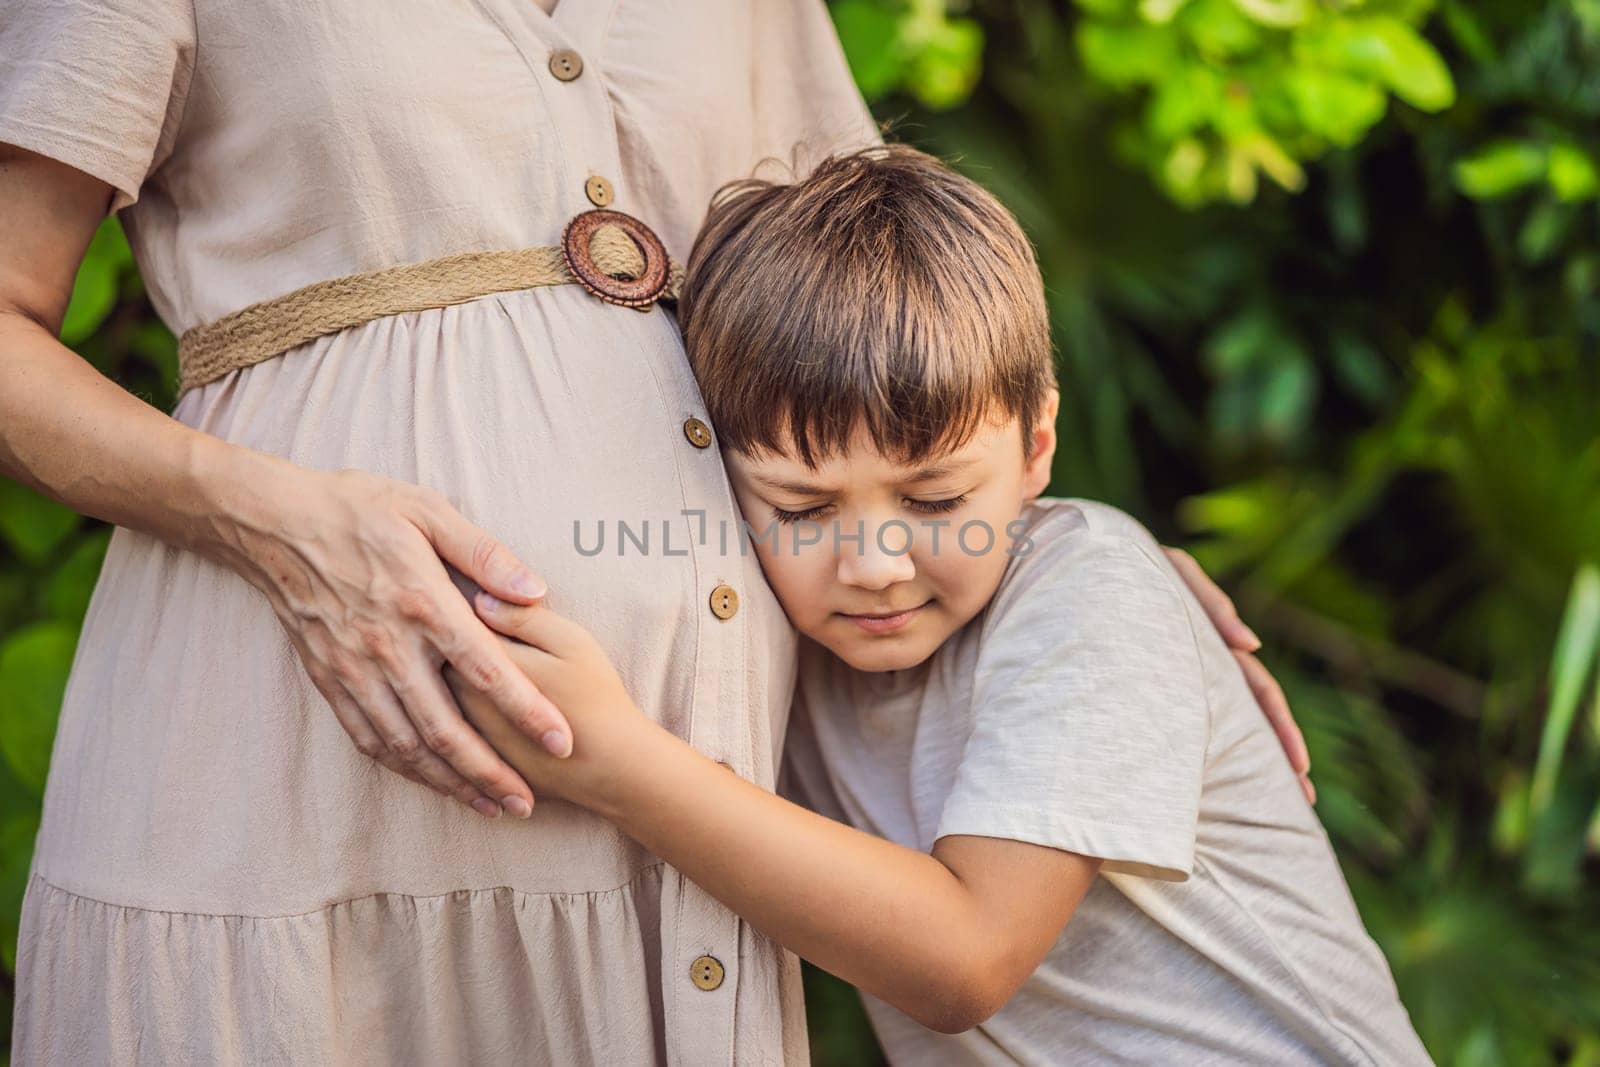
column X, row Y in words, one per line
column 881, row 559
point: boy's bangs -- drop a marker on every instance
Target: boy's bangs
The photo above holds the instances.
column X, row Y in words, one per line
column 917, row 391
column 885, row 292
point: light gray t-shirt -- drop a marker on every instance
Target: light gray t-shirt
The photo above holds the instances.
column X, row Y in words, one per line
column 1092, row 707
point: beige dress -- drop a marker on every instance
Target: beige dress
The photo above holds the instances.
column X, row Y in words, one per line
column 220, row 876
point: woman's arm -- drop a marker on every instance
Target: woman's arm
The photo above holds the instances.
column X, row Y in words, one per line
column 349, row 560
column 946, row 938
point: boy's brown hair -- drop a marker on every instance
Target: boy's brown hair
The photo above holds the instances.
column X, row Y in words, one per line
column 885, row 288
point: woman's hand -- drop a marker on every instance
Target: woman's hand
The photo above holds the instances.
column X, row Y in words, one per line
column 1243, row 643
column 350, row 561
column 568, row 665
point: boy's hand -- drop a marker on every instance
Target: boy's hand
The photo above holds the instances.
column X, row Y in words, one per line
column 1243, row 642
column 568, row 665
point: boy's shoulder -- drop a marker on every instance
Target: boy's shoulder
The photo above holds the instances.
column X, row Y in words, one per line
column 1060, row 516
column 1078, row 560
column 1054, row 535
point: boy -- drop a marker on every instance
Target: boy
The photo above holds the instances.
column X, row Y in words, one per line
column 1075, row 836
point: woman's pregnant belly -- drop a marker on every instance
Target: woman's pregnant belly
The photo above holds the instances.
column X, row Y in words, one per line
column 197, row 768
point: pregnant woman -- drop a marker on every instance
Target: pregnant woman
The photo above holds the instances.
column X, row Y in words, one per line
column 226, row 871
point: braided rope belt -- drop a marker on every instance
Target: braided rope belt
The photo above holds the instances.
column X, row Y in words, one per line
column 614, row 256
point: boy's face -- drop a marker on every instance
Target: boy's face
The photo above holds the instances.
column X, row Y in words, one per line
column 933, row 544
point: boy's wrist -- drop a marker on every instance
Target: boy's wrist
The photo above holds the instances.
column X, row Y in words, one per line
column 650, row 775
column 635, row 772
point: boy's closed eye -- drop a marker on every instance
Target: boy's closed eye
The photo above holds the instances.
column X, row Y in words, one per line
column 925, row 507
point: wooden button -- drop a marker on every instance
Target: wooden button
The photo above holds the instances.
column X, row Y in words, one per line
column 706, row 972
column 698, row 433
column 724, row 602
column 565, row 64
column 598, row 190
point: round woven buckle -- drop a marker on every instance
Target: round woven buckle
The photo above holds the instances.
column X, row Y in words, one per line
column 639, row 292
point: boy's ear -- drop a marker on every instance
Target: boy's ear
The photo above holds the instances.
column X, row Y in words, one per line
column 1036, row 475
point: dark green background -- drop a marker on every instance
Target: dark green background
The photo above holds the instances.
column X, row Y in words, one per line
column 1323, row 279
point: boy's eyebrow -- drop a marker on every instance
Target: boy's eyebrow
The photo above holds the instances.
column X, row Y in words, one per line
column 926, row 474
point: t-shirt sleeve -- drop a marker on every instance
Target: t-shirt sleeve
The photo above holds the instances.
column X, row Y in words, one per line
column 97, row 84
column 1089, row 712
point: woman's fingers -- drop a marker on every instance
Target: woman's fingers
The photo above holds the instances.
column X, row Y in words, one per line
column 405, row 744
column 467, row 644
column 475, row 553
column 371, row 744
column 355, row 722
column 481, row 659
column 1243, row 642
column 1218, row 605
column 365, row 735
column 374, row 614
column 445, row 733
column 1275, row 706
column 1269, row 694
column 370, row 741
column 535, row 624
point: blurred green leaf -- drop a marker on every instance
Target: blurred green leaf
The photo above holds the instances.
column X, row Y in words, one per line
column 1336, row 106
column 1467, row 31
column 18, row 828
column 1572, row 172
column 34, row 662
column 1576, row 653
column 1280, row 14
column 66, row 591
column 31, row 523
column 1543, row 230
column 1411, row 66
column 870, row 32
column 1240, row 89
column 1500, row 168
column 1220, row 31
column 94, row 291
column 1126, row 54
column 153, row 342
column 945, row 62
column 910, row 44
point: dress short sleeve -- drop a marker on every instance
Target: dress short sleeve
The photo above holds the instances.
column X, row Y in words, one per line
column 803, row 94
column 1089, row 712
column 97, row 84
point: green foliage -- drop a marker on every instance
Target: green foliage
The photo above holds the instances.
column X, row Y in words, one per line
column 1229, row 90
column 1369, row 402
column 913, row 45
column 50, row 558
column 33, row 677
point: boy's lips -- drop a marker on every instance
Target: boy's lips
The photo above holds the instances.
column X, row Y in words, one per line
column 885, row 621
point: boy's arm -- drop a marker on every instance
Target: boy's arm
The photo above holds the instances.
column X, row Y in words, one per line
column 946, row 938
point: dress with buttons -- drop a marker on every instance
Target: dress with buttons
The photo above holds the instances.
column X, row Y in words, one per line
column 282, row 147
